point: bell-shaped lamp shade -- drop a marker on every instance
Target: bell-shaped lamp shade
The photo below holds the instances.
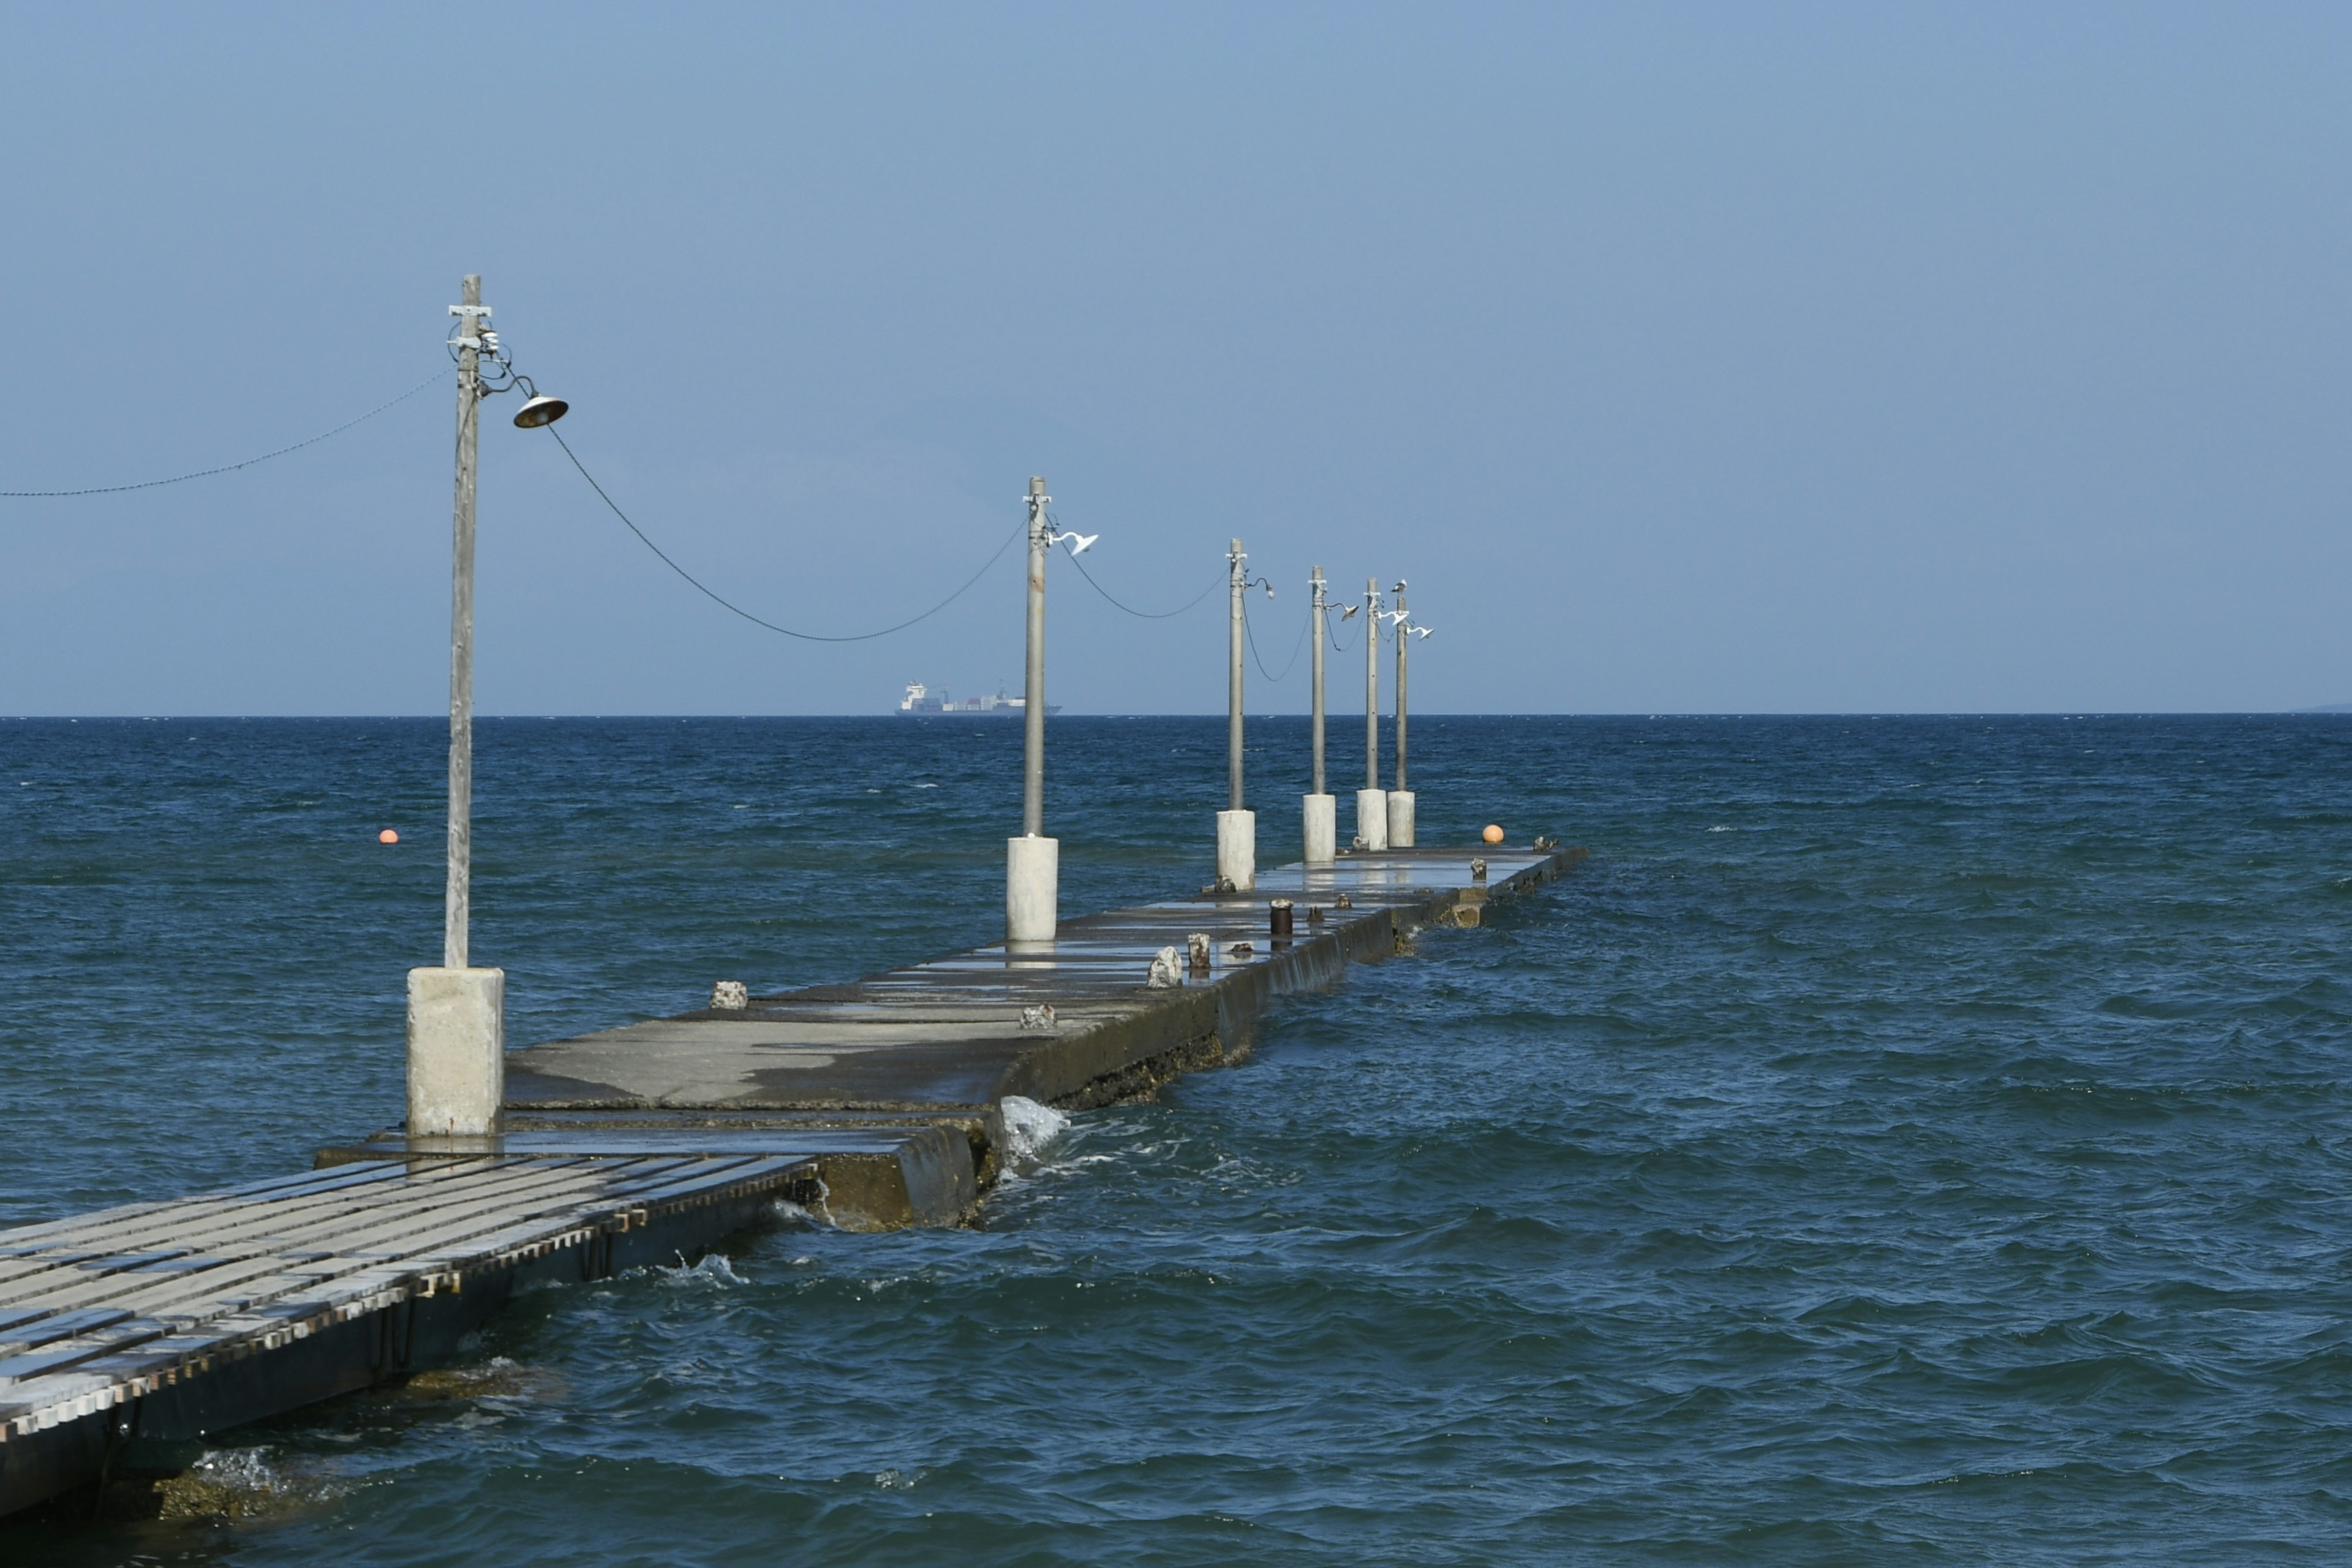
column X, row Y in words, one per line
column 541, row 410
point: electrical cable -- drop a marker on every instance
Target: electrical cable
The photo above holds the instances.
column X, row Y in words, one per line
column 1249, row 634
column 1145, row 614
column 714, row 597
column 229, row 467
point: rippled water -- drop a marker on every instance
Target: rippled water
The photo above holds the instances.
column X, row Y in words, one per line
column 1905, row 1140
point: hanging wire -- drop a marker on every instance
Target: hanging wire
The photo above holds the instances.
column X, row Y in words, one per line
column 1337, row 645
column 1139, row 614
column 1249, row 632
column 227, row 467
column 708, row 593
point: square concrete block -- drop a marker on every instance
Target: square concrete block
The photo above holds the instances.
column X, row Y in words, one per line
column 1400, row 813
column 457, row 1051
column 1237, row 850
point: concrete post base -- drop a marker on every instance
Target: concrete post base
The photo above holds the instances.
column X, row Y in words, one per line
column 1322, row 829
column 1032, row 888
column 1372, row 818
column 1237, row 850
column 1400, row 820
column 457, row 1051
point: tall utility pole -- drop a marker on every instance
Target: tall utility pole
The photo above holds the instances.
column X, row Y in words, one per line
column 1371, row 804
column 1400, row 800
column 1237, row 576
column 1372, row 683
column 457, row 1013
column 1033, row 709
column 1320, row 815
column 1032, row 867
column 1400, row 640
column 1236, row 824
column 1315, row 633
column 456, row 904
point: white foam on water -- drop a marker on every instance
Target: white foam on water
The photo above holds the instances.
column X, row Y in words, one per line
column 1029, row 1127
column 713, row 1270
column 241, row 1483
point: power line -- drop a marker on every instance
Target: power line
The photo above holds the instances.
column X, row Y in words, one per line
column 228, row 468
column 724, row 604
column 1145, row 614
column 1250, row 632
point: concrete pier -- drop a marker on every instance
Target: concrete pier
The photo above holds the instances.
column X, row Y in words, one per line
column 871, row 1105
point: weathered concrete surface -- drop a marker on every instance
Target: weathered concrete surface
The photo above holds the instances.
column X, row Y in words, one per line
column 947, row 1035
column 861, row 1078
column 456, row 1048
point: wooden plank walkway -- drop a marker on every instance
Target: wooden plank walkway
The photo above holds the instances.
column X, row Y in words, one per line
column 873, row 1104
column 133, row 1321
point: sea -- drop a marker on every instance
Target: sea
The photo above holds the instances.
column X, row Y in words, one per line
column 1905, row 1140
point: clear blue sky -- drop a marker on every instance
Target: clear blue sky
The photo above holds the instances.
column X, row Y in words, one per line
column 1684, row 357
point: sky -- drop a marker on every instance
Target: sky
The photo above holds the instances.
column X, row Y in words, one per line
column 1682, row 357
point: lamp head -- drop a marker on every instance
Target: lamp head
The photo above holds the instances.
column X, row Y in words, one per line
column 538, row 409
column 541, row 410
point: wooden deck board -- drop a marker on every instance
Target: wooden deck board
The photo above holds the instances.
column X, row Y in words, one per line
column 454, row 1222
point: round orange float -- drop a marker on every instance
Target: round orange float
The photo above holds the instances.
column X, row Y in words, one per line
column 1494, row 835
column 387, row 836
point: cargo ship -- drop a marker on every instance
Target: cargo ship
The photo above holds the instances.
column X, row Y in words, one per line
column 918, row 703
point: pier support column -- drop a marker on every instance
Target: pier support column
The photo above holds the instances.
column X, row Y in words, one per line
column 1032, row 898
column 1237, row 850
column 1400, row 816
column 457, row 1051
column 1322, row 829
column 1372, row 818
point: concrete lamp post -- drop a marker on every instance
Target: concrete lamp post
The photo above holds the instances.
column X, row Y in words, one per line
column 1320, row 809
column 1401, row 797
column 1372, row 801
column 1032, row 862
column 456, row 1011
column 1236, row 824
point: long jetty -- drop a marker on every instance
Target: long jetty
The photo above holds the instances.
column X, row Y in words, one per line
column 872, row 1105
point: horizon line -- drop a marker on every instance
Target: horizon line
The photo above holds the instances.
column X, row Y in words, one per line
column 1337, row 717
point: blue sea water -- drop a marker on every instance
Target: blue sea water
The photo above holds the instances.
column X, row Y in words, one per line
column 1905, row 1140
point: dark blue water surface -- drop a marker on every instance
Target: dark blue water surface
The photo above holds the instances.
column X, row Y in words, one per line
column 1907, row 1139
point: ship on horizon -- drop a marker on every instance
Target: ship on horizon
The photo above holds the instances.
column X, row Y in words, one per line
column 918, row 703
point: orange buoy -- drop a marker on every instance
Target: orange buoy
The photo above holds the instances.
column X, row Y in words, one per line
column 1494, row 835
column 387, row 836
